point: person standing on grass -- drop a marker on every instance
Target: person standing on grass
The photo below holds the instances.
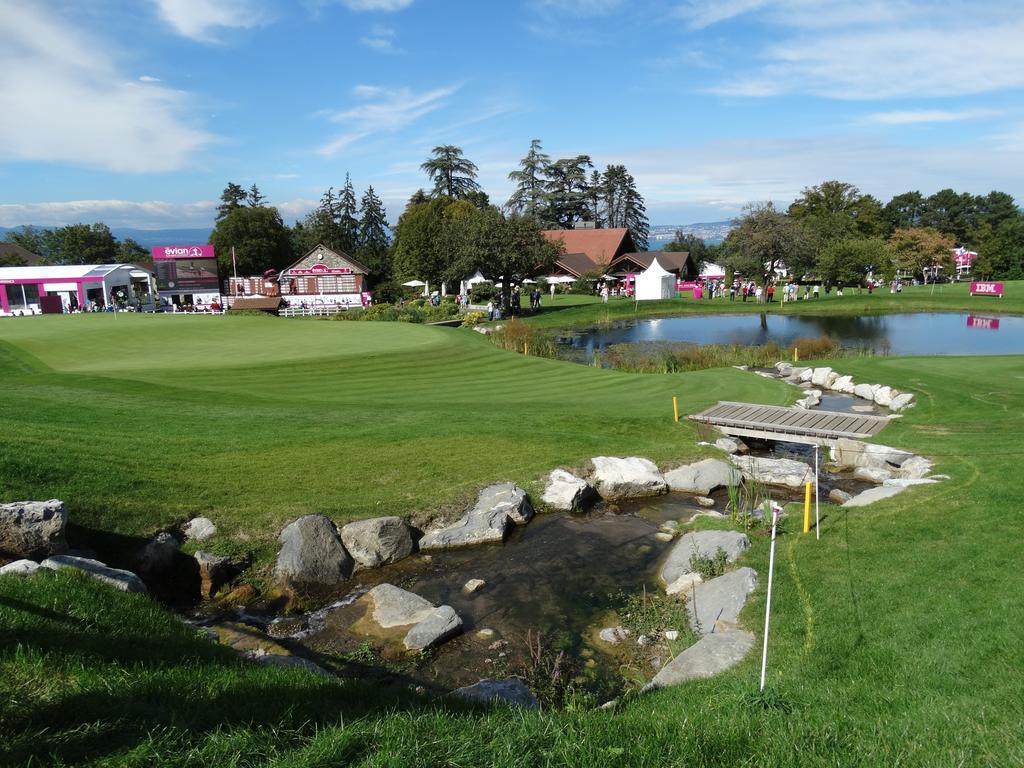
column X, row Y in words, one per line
column 490, row 310
column 759, row 294
column 771, row 292
column 744, row 290
column 817, row 291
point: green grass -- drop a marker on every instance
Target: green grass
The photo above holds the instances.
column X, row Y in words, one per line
column 896, row 638
column 138, row 422
column 940, row 298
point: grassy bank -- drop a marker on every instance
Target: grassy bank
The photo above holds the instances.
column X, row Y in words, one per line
column 895, row 639
column 138, row 422
column 944, row 298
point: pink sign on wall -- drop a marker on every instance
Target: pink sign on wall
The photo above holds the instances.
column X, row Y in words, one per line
column 685, row 285
column 169, row 252
column 984, row 323
column 987, row 289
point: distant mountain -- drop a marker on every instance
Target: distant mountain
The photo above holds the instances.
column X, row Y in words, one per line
column 709, row 231
column 148, row 238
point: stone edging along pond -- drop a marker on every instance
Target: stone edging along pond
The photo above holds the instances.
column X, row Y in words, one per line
column 315, row 555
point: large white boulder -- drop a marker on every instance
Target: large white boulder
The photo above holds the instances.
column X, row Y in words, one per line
column 902, row 402
column 884, row 395
column 564, row 491
column 199, row 529
column 20, row 568
column 788, row 473
column 856, row 453
column 843, row 384
column 703, row 476
column 442, row 623
column 915, row 468
column 865, row 391
column 872, row 474
column 819, row 376
column 627, row 478
column 871, row 495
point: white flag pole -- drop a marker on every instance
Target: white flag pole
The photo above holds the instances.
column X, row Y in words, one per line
column 768, row 602
column 817, row 522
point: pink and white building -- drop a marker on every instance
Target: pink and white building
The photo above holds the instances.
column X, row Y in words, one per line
column 55, row 289
column 964, row 260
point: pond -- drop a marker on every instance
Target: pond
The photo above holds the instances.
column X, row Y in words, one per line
column 898, row 334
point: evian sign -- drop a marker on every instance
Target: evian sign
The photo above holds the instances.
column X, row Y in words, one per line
column 987, row 289
column 168, row 252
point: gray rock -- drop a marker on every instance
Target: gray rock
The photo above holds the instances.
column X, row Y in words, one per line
column 564, row 491
column 718, row 602
column 784, row 368
column 377, row 541
column 871, row 495
column 730, row 445
column 805, row 374
column 32, row 529
column 497, row 508
column 701, row 543
column 473, row 586
column 396, row 607
column 915, row 468
column 627, row 478
column 442, row 624
column 703, row 476
column 872, row 474
column 705, row 501
column 199, row 529
column 126, row 581
column 474, row 528
column 311, row 555
column 709, row 656
column 838, row 496
column 683, row 584
column 905, row 482
column 862, row 408
column 807, row 403
column 902, row 402
column 783, row 472
column 491, row 691
column 864, row 392
column 20, row 568
column 292, row 662
column 157, row 554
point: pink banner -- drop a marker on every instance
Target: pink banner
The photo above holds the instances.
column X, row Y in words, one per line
column 171, row 252
column 984, row 323
column 685, row 285
column 319, row 269
column 987, row 289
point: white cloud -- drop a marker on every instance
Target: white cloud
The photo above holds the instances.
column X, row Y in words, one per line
column 388, row 6
column 579, row 7
column 148, row 79
column 64, row 101
column 152, row 214
column 872, row 49
column 198, row 19
column 385, row 110
column 919, row 116
column 381, row 39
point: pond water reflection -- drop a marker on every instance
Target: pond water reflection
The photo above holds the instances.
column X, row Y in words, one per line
column 899, row 334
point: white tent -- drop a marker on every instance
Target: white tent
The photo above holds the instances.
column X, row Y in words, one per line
column 559, row 279
column 712, row 271
column 469, row 282
column 655, row 282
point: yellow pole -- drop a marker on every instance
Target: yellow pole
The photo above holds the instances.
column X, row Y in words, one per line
column 526, row 349
column 796, row 354
column 807, row 508
column 675, row 407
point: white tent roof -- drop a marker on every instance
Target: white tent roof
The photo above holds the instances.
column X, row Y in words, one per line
column 655, row 269
column 476, row 279
column 712, row 270
column 64, row 272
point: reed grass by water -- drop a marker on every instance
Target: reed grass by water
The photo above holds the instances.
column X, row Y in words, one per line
column 676, row 357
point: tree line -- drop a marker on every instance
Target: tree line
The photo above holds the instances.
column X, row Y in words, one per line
column 835, row 233
column 74, row 244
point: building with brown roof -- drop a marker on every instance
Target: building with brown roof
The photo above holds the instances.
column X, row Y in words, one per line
column 677, row 262
column 589, row 251
column 13, row 255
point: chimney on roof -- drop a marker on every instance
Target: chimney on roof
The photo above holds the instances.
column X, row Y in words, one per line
column 584, row 225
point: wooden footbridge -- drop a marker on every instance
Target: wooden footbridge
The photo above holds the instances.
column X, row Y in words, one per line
column 792, row 425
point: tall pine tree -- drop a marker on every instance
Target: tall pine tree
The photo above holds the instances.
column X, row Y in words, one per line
column 624, row 205
column 373, row 239
column 531, row 184
column 348, row 224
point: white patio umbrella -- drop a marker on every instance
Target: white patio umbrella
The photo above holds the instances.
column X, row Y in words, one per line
column 559, row 279
column 528, row 281
column 414, row 284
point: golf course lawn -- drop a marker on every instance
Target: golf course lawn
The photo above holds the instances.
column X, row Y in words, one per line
column 138, row 422
column 896, row 639
column 574, row 310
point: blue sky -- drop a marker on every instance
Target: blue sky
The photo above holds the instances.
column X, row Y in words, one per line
column 138, row 113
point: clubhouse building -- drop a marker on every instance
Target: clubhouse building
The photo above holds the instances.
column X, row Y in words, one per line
column 36, row 290
column 322, row 279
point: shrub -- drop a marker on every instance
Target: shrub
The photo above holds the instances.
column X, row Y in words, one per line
column 481, row 293
column 471, row 319
column 517, row 336
column 709, row 566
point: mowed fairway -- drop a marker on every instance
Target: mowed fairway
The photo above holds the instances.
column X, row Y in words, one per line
column 896, row 639
column 138, row 422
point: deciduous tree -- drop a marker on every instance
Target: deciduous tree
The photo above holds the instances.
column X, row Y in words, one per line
column 764, row 240
column 921, row 250
column 259, row 237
